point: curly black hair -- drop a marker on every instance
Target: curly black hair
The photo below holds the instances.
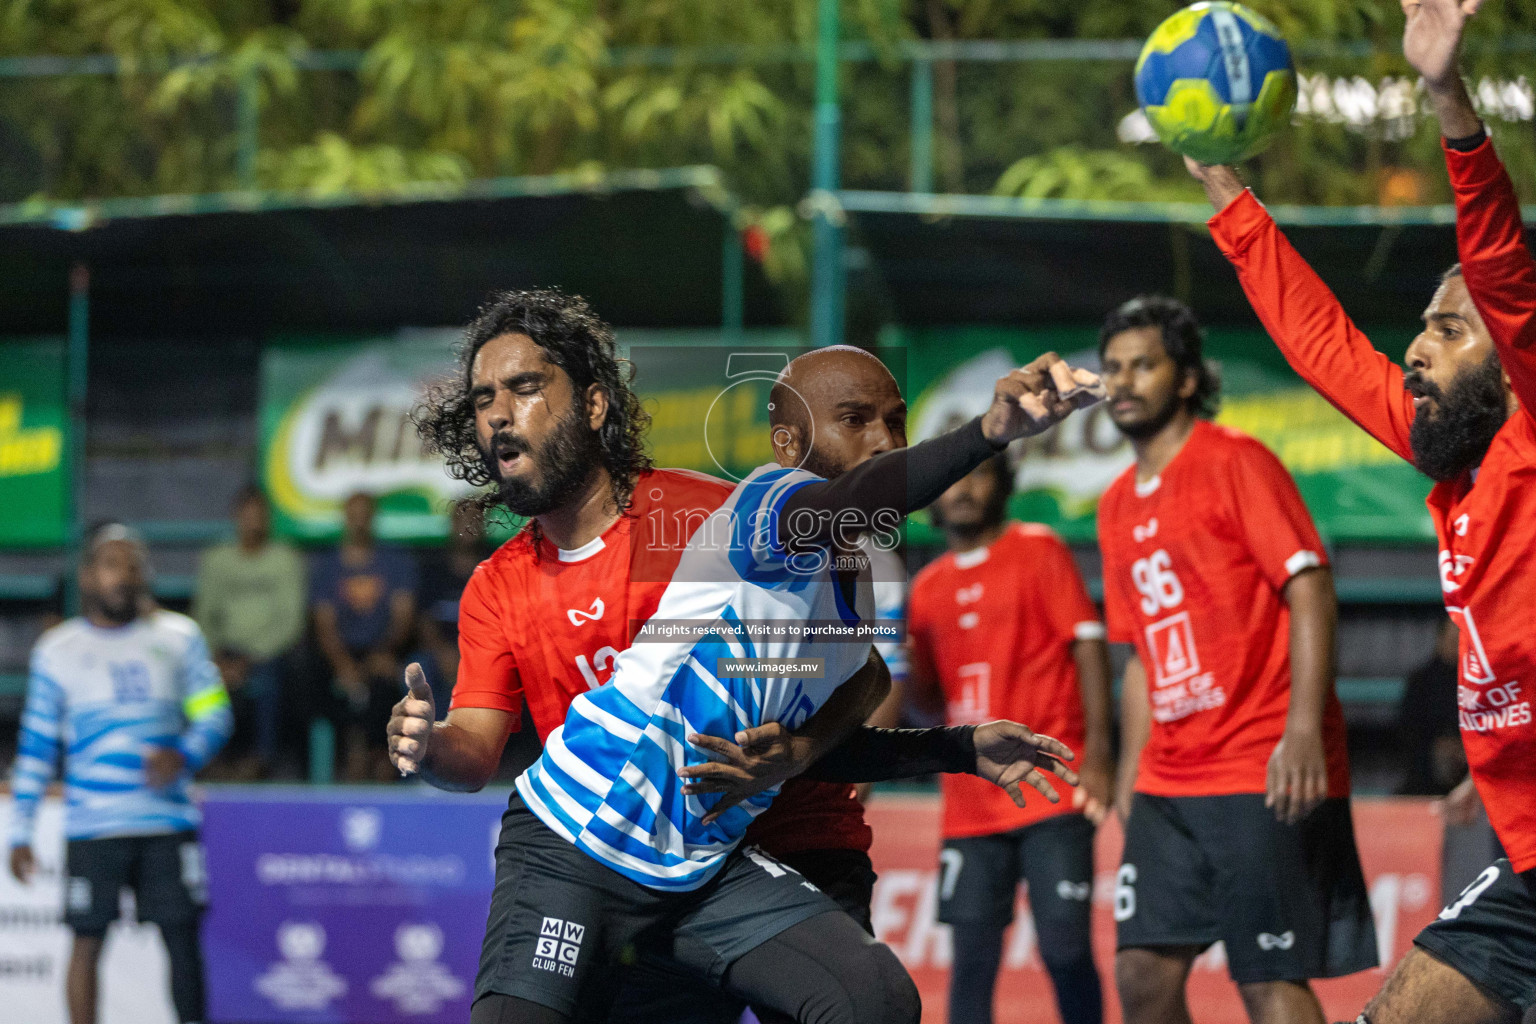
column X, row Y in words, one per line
column 573, row 338
column 1182, row 340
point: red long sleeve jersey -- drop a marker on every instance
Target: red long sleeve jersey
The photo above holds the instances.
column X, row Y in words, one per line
column 540, row 624
column 1486, row 522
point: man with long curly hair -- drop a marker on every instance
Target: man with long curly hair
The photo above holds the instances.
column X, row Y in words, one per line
column 542, row 409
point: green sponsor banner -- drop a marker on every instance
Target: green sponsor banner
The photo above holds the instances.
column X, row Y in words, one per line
column 1356, row 489
column 34, row 448
column 335, row 419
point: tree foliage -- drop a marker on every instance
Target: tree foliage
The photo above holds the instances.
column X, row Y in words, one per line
column 451, row 90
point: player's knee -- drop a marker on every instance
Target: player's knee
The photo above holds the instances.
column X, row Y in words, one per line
column 1144, row 981
column 880, row 991
column 1064, row 941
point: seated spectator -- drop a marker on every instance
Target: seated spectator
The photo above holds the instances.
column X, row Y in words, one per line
column 443, row 576
column 364, row 598
column 250, row 605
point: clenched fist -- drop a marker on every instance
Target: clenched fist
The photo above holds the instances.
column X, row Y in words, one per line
column 410, row 722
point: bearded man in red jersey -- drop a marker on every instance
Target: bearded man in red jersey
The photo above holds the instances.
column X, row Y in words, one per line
column 1462, row 413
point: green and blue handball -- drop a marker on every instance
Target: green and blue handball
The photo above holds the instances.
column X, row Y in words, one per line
column 1216, row 82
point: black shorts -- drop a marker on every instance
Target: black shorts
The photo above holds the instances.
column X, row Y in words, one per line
column 165, row 872
column 561, row 923
column 657, row 989
column 978, row 875
column 1289, row 901
column 1488, row 934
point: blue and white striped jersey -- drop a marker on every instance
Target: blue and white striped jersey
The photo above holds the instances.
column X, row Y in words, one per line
column 105, row 696
column 607, row 780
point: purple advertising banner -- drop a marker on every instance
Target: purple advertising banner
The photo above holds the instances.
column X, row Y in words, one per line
column 346, row 905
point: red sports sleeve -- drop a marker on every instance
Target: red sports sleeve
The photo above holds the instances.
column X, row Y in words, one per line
column 1264, row 502
column 487, row 671
column 1071, row 610
column 1497, row 266
column 1310, row 327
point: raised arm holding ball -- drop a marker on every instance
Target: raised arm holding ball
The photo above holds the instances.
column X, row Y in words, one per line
column 1459, row 410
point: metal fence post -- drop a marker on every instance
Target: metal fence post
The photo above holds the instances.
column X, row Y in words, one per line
column 77, row 364
column 826, row 231
column 247, row 129
column 920, row 177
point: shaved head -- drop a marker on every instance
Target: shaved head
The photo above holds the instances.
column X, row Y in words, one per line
column 832, row 408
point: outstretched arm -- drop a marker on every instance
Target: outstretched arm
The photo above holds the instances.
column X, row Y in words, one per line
column 1303, row 317
column 1490, row 237
column 1026, row 402
column 1006, row 753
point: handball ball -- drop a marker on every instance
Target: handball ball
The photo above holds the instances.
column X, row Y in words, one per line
column 1216, row 82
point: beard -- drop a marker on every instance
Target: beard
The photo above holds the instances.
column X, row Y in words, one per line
column 562, row 465
column 1139, row 430
column 822, row 465
column 119, row 606
column 1455, row 436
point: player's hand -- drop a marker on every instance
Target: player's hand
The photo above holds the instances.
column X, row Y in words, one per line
column 410, row 723
column 1008, row 754
column 1297, row 778
column 1432, row 36
column 1094, row 794
column 163, row 766
column 1221, row 183
column 761, row 758
column 1461, row 804
column 1036, row 397
column 22, row 864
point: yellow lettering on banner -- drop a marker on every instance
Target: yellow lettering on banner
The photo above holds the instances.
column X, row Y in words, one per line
column 26, row 452
column 1308, row 434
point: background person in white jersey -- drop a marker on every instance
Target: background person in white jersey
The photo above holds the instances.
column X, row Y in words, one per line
column 130, row 692
column 607, row 788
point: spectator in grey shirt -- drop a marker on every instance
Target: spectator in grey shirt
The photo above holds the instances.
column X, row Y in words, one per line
column 250, row 603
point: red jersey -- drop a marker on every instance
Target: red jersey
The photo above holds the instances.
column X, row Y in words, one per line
column 1195, row 560
column 995, row 626
column 541, row 625
column 1485, row 524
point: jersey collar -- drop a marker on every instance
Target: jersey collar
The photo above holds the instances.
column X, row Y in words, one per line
column 582, row 553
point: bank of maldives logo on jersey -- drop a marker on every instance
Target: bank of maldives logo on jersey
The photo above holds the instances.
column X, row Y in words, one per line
column 559, row 945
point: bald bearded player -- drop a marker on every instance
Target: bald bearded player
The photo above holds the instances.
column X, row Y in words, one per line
column 541, row 409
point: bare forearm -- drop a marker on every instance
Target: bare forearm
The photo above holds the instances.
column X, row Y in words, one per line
column 1221, row 184
column 1092, row 659
column 329, row 639
column 1135, row 725
column 1453, row 107
column 1314, row 622
column 402, row 621
column 458, row 760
